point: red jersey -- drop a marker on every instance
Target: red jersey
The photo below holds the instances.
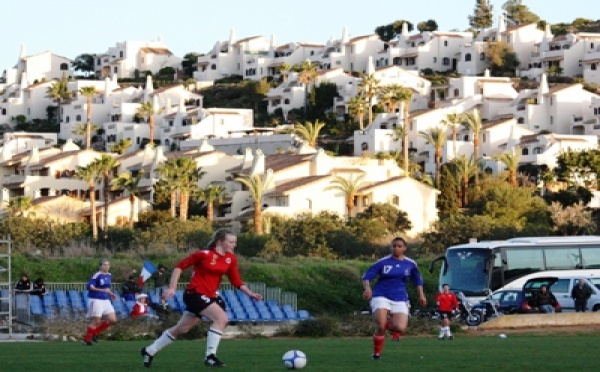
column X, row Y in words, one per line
column 209, row 268
column 138, row 310
column 446, row 301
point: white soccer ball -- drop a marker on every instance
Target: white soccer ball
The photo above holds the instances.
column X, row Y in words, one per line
column 502, row 335
column 294, row 359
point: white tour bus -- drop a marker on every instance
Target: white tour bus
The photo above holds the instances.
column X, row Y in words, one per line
column 479, row 268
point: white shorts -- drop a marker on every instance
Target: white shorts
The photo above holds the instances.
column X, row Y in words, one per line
column 97, row 308
column 394, row 307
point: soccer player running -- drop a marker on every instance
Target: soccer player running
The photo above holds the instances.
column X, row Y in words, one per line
column 389, row 294
column 201, row 297
column 447, row 303
column 99, row 304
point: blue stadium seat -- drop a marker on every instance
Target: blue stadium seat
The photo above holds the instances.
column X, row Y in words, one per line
column 263, row 310
column 288, row 312
column 76, row 300
column 129, row 306
column 275, row 310
column 120, row 308
column 179, row 297
column 172, row 301
column 303, row 314
column 36, row 305
column 62, row 301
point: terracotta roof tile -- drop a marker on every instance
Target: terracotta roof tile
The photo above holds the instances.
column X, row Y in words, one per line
column 297, row 183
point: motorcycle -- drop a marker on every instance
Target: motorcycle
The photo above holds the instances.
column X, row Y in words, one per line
column 467, row 312
column 487, row 309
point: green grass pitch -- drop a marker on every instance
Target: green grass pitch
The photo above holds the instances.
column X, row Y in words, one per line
column 518, row 352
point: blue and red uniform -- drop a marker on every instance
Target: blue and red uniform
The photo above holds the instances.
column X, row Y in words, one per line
column 392, row 276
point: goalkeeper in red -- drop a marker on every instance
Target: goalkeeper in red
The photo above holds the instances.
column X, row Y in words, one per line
column 389, row 294
column 201, row 297
column 447, row 303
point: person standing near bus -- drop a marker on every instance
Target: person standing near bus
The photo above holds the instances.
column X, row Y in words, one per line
column 581, row 294
column 201, row 296
column 389, row 294
column 447, row 303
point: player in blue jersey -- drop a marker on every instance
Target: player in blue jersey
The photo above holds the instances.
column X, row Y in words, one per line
column 389, row 296
column 99, row 304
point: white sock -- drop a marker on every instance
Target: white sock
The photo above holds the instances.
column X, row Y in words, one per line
column 441, row 332
column 213, row 337
column 164, row 340
column 448, row 331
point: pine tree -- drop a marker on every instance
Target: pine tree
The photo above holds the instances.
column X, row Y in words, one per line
column 482, row 15
column 448, row 202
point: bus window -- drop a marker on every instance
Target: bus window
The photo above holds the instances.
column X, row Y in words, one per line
column 562, row 258
column 521, row 262
column 591, row 258
column 466, row 271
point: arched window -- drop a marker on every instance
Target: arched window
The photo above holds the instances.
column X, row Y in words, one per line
column 364, row 146
column 64, row 66
column 213, row 67
column 468, row 57
column 67, row 119
column 525, row 151
column 78, row 118
column 286, row 101
column 466, row 138
column 446, row 61
column 456, row 92
column 593, row 67
column 521, row 121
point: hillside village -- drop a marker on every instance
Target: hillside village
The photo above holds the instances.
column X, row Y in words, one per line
column 538, row 122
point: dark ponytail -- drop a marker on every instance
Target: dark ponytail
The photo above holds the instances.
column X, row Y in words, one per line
column 218, row 236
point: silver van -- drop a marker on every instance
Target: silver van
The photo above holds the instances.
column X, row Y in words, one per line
column 562, row 291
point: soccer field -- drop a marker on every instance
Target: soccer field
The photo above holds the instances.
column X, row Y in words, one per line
column 532, row 353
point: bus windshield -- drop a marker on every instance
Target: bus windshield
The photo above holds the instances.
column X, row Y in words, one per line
column 465, row 271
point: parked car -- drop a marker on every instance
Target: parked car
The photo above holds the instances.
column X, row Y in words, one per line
column 520, row 301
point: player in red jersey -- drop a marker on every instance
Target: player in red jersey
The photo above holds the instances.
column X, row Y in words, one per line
column 201, row 298
column 447, row 303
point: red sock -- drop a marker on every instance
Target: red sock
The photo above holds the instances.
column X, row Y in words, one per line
column 378, row 344
column 101, row 328
column 89, row 334
column 397, row 335
column 389, row 326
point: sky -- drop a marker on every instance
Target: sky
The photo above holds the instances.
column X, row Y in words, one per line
column 72, row 27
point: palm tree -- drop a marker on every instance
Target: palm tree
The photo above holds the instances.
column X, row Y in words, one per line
column 511, row 161
column 357, row 107
column 349, row 186
column 147, row 111
column 453, row 120
column 20, row 206
column 180, row 176
column 91, row 175
column 257, row 185
column 88, row 92
column 106, row 165
column 121, row 146
column 212, row 194
column 127, row 182
column 464, row 168
column 368, row 87
column 390, row 96
column 437, row 138
column 82, row 129
column 309, row 131
column 307, row 74
column 57, row 92
column 284, row 69
column 473, row 122
column 405, row 95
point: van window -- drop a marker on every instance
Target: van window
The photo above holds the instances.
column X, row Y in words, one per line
column 596, row 283
column 561, row 286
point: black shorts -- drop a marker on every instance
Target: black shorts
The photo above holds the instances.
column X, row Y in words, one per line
column 445, row 314
column 195, row 303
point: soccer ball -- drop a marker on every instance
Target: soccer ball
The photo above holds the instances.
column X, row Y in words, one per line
column 294, row 359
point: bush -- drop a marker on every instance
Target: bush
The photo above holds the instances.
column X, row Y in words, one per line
column 318, row 327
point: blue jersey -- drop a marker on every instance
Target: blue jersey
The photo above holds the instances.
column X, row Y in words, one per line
column 392, row 275
column 99, row 280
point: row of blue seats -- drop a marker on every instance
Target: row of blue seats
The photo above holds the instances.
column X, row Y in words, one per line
column 240, row 307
